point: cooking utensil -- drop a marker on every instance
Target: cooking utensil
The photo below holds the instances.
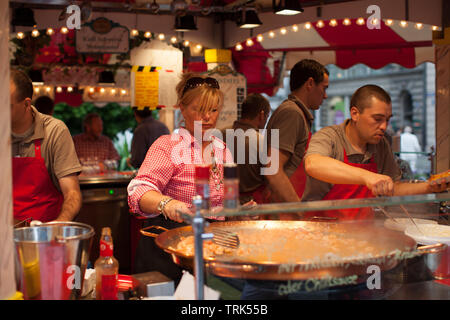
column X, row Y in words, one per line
column 271, row 239
column 409, row 216
column 226, row 239
column 386, row 214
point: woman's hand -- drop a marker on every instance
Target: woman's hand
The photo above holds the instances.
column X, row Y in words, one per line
column 172, row 209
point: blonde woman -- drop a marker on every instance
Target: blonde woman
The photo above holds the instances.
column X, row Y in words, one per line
column 165, row 183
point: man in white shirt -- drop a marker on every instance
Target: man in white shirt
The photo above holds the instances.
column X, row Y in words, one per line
column 409, row 143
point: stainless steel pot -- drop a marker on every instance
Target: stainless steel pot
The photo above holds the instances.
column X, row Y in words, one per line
column 52, row 259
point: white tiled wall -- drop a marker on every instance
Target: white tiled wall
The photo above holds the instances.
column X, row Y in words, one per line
column 7, row 282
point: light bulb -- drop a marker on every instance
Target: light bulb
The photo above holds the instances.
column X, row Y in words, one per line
column 403, row 24
column 295, row 28
column 35, row 33
column 360, row 21
column 283, row 31
column 64, row 30
column 320, row 24
column 239, row 47
column 48, row 89
column 347, row 22
column 36, row 90
column 161, row 36
column 59, row 89
column 20, row 35
column 249, row 42
column 123, row 91
column 102, row 90
column 333, row 23
column 418, row 26
column 389, row 22
column 91, row 90
column 308, row 25
column 259, row 38
column 69, row 89
column 199, row 47
column 173, row 39
column 148, row 34
column 435, row 28
column 134, row 33
column 50, row 31
column 186, row 43
column 271, row 34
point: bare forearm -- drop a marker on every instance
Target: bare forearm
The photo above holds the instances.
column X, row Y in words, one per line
column 405, row 188
column 282, row 188
column 71, row 206
column 150, row 201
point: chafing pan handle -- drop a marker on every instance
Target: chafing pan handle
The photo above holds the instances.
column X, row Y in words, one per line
column 433, row 248
column 150, row 234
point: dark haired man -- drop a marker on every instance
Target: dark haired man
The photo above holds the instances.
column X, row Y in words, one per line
column 354, row 159
column 92, row 144
column 44, row 105
column 45, row 164
column 147, row 131
column 293, row 120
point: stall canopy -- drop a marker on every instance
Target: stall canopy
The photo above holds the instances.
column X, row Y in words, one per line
column 337, row 43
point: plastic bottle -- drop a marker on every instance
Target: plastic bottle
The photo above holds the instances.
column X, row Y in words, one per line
column 202, row 184
column 231, row 186
column 106, row 269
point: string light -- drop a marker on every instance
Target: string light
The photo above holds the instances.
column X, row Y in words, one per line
column 403, row 24
column 113, row 91
column 283, row 31
column 333, row 23
column 199, row 47
column 36, row 89
column 134, row 33
column 347, row 22
column 50, row 31
column 64, row 30
column 148, row 34
column 295, row 28
column 59, row 89
column 308, row 25
column 69, row 89
column 48, row 89
column 249, row 42
column 20, row 35
column 91, row 90
column 271, row 34
column 186, row 43
column 238, row 47
column 259, row 38
column 389, row 22
column 161, row 36
column 360, row 21
column 418, row 26
column 102, row 90
column 320, row 24
column 173, row 40
column 35, row 33
column 435, row 28
column 123, row 91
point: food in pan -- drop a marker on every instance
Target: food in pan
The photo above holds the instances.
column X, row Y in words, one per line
column 291, row 245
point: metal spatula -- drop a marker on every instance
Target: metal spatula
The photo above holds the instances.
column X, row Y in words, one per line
column 225, row 238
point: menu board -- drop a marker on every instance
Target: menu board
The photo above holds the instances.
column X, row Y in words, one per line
column 145, row 87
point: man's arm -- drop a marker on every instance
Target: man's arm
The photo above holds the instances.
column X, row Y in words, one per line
column 406, row 188
column 70, row 188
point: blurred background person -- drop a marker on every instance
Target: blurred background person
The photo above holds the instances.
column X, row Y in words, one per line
column 44, row 105
column 409, row 143
column 147, row 131
column 92, row 144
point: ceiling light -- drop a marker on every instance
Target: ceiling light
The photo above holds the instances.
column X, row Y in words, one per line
column 271, row 34
column 161, row 36
column 186, row 43
column 173, row 39
column 320, row 24
column 259, row 38
column 389, row 22
column 295, row 28
column 20, row 35
column 59, row 89
column 288, row 7
column 239, row 47
column 360, row 21
column 134, row 33
column 249, row 42
column 347, row 22
column 148, row 34
column 35, row 33
column 403, row 24
column 64, row 30
column 185, row 23
column 50, row 31
column 333, row 23
column 308, row 25
column 248, row 19
column 283, row 31
column 23, row 17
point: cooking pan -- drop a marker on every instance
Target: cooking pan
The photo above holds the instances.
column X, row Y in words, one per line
column 275, row 252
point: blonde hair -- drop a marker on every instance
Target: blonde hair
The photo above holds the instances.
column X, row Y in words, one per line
column 208, row 97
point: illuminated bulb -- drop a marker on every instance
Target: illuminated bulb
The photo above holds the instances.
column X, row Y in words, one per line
column 239, row 47
column 50, row 31
column 360, row 21
column 295, row 28
column 320, row 24
column 113, row 91
column 134, row 33
column 20, row 35
column 36, row 90
column 374, row 21
column 259, row 38
column 435, row 28
column 161, row 36
column 347, row 22
column 148, row 34
column 283, row 31
column 59, row 89
column 419, row 26
column 249, row 42
column 403, row 24
column 91, row 90
column 123, row 91
column 199, row 47
column 35, row 33
column 69, row 89
column 333, row 23
column 186, row 43
column 271, row 34
column 173, row 39
column 48, row 89
column 389, row 22
column 308, row 25
column 64, row 30
column 102, row 90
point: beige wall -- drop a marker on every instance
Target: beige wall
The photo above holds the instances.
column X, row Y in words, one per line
column 7, row 282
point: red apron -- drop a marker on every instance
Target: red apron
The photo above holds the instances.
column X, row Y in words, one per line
column 34, row 194
column 298, row 181
column 348, row 191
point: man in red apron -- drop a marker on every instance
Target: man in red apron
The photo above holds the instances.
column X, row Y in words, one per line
column 293, row 120
column 45, row 165
column 354, row 159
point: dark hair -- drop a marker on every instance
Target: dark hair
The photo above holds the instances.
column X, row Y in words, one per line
column 360, row 99
column 253, row 105
column 305, row 69
column 88, row 119
column 144, row 113
column 44, row 105
column 24, row 86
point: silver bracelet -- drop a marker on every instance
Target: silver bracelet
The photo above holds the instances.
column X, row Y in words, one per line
column 162, row 205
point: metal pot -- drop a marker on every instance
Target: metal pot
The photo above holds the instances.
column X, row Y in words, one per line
column 52, row 259
column 391, row 247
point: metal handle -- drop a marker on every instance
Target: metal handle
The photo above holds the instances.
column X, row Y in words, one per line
column 150, row 234
column 433, row 248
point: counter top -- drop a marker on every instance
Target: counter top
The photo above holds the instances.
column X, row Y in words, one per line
column 116, row 177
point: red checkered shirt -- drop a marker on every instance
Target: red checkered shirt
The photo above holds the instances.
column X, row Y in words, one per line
column 101, row 149
column 169, row 168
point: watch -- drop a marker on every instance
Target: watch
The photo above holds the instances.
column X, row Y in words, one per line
column 162, row 205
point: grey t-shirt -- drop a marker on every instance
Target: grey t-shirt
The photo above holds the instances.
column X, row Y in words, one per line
column 293, row 120
column 331, row 142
